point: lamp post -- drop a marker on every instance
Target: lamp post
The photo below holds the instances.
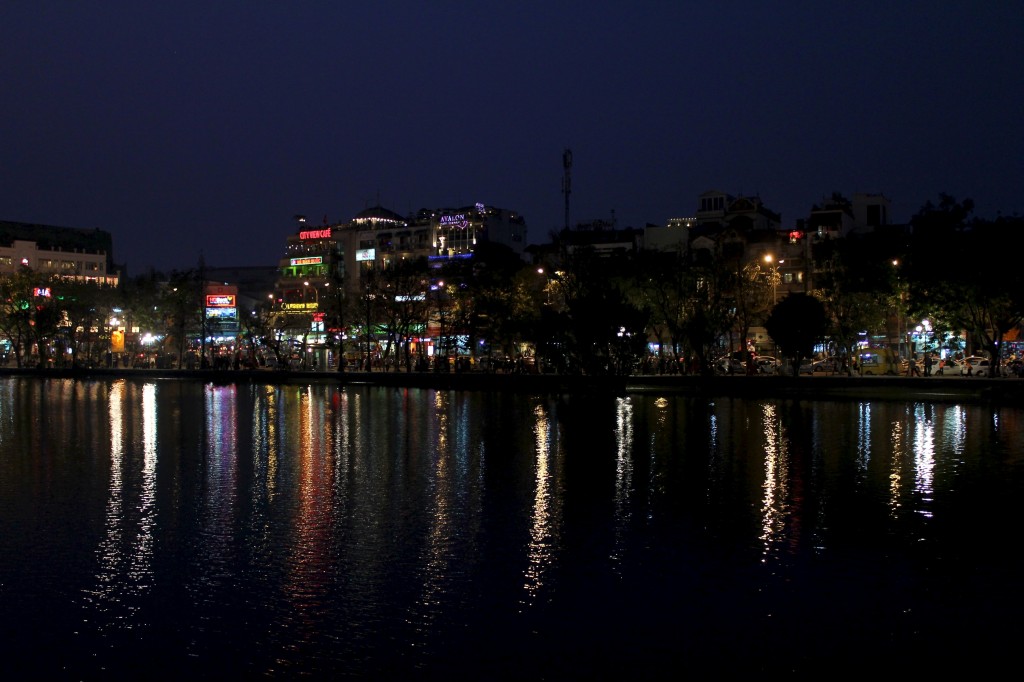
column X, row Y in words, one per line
column 442, row 359
column 769, row 259
column 368, row 365
column 900, row 318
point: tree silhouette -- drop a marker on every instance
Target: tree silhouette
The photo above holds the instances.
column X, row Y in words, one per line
column 795, row 325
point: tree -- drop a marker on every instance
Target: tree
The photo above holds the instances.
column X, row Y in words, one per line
column 16, row 311
column 985, row 304
column 709, row 313
column 84, row 307
column 403, row 307
column 855, row 284
column 182, row 308
column 796, row 324
column 604, row 327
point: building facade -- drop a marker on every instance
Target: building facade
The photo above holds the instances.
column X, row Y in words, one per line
column 78, row 254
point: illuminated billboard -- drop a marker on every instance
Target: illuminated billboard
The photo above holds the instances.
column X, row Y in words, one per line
column 220, row 301
column 221, row 321
column 309, row 260
column 315, row 234
column 366, row 254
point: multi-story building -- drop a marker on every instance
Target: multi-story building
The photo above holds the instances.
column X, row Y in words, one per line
column 837, row 217
column 326, row 263
column 79, row 254
column 742, row 226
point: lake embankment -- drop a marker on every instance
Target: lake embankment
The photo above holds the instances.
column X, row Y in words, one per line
column 936, row 388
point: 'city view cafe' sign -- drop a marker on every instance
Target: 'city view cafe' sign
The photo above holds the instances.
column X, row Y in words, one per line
column 315, row 234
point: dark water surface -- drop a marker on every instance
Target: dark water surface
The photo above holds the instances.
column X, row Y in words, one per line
column 176, row 528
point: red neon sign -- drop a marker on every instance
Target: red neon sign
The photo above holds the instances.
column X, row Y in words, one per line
column 315, row 234
column 220, row 301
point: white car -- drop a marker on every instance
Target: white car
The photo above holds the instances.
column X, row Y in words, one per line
column 829, row 365
column 727, row 365
column 979, row 367
column 947, row 367
column 766, row 364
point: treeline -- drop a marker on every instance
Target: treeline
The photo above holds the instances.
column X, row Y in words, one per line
column 578, row 312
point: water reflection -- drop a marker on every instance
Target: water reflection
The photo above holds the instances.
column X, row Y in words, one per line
column 776, row 479
column 896, row 448
column 124, row 571
column 623, row 474
column 863, row 436
column 441, row 512
column 545, row 514
column 302, row 530
column 924, row 456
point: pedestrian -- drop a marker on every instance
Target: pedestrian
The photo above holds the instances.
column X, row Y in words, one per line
column 912, row 369
column 928, row 365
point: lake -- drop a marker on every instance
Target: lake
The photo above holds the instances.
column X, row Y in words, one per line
column 176, row 527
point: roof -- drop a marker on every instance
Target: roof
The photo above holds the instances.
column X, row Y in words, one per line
column 378, row 213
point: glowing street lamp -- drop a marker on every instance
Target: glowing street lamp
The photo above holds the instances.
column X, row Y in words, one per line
column 768, row 258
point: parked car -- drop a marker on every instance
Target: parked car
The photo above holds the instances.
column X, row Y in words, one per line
column 980, row 367
column 727, row 365
column 734, row 363
column 806, row 366
column 830, row 365
column 766, row 364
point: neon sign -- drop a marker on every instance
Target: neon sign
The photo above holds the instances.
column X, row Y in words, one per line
column 458, row 220
column 315, row 234
column 220, row 301
column 299, row 306
column 41, row 291
column 309, row 260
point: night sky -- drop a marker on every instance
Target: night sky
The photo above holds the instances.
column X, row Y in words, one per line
column 203, row 127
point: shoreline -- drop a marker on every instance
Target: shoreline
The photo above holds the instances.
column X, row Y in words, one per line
column 934, row 388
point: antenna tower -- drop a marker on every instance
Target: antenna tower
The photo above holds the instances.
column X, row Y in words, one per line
column 567, row 182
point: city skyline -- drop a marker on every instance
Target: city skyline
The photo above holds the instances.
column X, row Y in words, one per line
column 195, row 129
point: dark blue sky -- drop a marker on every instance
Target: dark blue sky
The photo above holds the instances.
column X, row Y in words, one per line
column 205, row 126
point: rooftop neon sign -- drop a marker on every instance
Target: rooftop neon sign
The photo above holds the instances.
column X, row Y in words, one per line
column 457, row 220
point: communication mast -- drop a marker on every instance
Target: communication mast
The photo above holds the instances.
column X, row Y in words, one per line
column 567, row 182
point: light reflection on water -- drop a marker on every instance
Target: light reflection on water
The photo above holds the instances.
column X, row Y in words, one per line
column 286, row 530
column 544, row 516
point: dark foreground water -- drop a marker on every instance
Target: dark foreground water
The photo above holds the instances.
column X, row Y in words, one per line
column 159, row 529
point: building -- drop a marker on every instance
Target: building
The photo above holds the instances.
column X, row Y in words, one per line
column 673, row 236
column 327, row 264
column 79, row 254
column 837, row 217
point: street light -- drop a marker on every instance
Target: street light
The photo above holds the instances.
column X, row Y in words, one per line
column 768, row 258
column 442, row 361
column 901, row 319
